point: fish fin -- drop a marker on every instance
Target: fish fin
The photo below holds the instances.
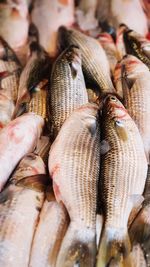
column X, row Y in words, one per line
column 105, row 147
column 43, row 147
column 78, row 246
column 74, row 69
column 121, row 130
column 115, row 244
column 37, row 182
column 140, row 228
column 99, row 225
column 127, row 83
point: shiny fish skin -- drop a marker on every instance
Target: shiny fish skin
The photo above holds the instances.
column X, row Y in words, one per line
column 19, row 211
column 75, row 179
column 123, row 175
column 138, row 46
column 50, row 231
column 94, row 61
column 18, row 138
column 68, row 90
column 133, row 78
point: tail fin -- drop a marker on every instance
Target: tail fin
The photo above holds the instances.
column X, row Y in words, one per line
column 115, row 244
column 78, row 246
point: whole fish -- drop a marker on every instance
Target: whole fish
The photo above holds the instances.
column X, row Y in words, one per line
column 18, row 138
column 109, row 46
column 14, row 22
column 94, row 60
column 48, row 16
column 10, row 70
column 50, row 231
column 36, row 70
column 68, row 90
column 121, row 11
column 138, row 46
column 75, row 180
column 132, row 78
column 122, row 180
column 19, row 212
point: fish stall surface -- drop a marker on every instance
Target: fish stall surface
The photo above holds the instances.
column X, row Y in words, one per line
column 74, row 133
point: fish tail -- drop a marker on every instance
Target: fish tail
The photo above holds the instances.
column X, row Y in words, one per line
column 78, row 246
column 115, row 244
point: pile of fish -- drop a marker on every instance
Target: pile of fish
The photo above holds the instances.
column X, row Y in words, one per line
column 74, row 133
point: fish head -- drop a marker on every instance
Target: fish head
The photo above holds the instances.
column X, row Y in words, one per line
column 114, row 108
column 126, row 73
column 136, row 42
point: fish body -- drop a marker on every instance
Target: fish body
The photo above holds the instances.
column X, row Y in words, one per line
column 50, row 231
column 14, row 22
column 75, row 183
column 19, row 211
column 48, row 16
column 122, row 180
column 132, row 77
column 68, row 90
column 138, row 46
column 18, row 138
column 94, row 60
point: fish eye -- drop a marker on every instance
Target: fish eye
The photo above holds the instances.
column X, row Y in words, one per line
column 113, row 98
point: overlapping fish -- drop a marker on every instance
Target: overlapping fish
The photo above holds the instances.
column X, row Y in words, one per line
column 94, row 61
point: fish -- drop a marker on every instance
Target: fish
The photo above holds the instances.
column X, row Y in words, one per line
column 140, row 227
column 138, row 46
column 75, row 183
column 67, row 88
column 94, row 60
column 85, row 14
column 132, row 78
column 14, row 22
column 19, row 212
column 117, row 12
column 36, row 70
column 47, row 17
column 50, row 231
column 109, row 46
column 18, row 138
column 122, row 180
column 10, row 70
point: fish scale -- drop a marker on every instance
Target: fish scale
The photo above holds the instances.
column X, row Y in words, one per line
column 73, row 152
column 94, row 60
column 67, row 91
column 122, row 180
